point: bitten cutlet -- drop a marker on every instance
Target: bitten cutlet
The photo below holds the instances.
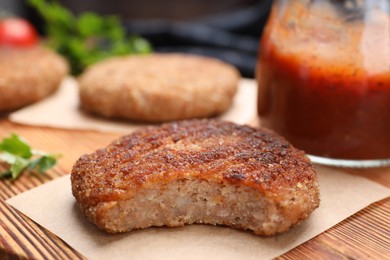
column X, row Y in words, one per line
column 197, row 171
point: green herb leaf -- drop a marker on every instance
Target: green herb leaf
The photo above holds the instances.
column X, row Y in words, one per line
column 16, row 162
column 18, row 167
column 15, row 152
column 16, row 145
column 6, row 174
column 8, row 157
column 89, row 24
column 43, row 163
column 87, row 38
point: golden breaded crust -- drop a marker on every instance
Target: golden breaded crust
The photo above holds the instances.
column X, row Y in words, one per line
column 212, row 152
column 158, row 87
column 28, row 75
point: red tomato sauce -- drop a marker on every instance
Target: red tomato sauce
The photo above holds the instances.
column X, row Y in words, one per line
column 331, row 106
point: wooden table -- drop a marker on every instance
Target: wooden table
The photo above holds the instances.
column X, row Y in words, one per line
column 364, row 235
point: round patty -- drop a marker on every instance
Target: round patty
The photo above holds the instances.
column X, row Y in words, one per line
column 159, row 87
column 198, row 171
column 28, row 75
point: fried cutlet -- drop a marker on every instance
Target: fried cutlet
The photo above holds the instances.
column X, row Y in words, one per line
column 197, row 171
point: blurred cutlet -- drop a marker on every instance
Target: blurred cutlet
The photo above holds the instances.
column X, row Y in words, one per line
column 28, row 75
column 159, row 87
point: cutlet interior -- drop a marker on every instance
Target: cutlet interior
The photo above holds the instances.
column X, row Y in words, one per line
column 194, row 201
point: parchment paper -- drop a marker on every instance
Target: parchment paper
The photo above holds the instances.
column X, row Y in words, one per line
column 61, row 110
column 52, row 206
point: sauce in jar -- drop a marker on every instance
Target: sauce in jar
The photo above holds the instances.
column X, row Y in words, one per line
column 324, row 78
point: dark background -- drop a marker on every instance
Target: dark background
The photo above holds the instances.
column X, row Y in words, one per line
column 226, row 29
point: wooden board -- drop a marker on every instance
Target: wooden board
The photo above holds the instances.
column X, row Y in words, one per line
column 364, row 235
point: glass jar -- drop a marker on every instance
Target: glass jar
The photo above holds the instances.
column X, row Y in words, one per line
column 324, row 79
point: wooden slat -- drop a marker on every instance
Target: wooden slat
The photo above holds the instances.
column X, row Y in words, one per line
column 19, row 236
column 365, row 235
column 25, row 239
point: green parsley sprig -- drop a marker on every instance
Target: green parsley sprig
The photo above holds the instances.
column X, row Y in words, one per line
column 19, row 155
column 88, row 37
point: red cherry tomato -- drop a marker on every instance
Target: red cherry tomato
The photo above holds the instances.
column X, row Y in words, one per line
column 17, row 32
